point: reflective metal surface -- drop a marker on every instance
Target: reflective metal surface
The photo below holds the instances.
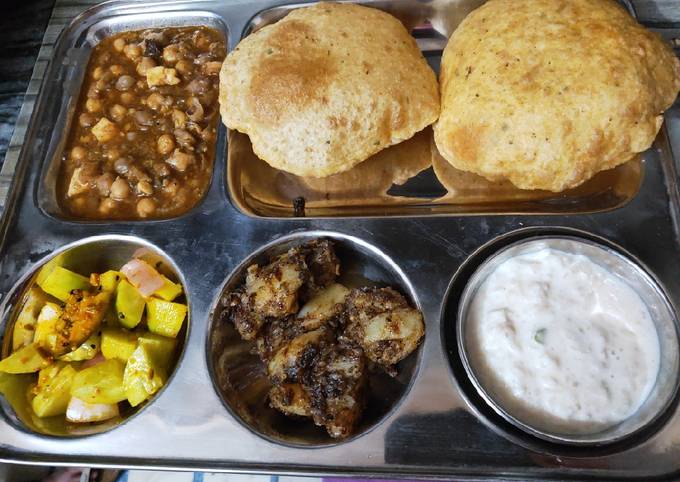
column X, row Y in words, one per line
column 662, row 314
column 433, row 432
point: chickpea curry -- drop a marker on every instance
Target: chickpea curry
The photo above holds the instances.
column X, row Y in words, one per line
column 143, row 136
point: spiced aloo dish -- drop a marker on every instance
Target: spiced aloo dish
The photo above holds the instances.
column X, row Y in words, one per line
column 143, row 134
column 319, row 339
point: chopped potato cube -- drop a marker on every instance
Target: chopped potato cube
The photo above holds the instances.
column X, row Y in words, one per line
column 143, row 376
column 169, row 291
column 24, row 328
column 87, row 351
column 83, row 412
column 104, row 130
column 161, row 76
column 101, row 383
column 53, row 396
column 118, row 344
column 28, row 359
column 60, row 282
column 165, row 317
column 129, row 305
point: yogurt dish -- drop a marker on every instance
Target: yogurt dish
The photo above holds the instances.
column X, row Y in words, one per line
column 569, row 340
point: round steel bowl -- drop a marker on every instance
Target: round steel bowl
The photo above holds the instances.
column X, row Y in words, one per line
column 95, row 254
column 639, row 278
column 239, row 376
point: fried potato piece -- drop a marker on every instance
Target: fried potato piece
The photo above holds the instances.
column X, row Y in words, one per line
column 337, row 388
column 546, row 93
column 326, row 87
column 382, row 322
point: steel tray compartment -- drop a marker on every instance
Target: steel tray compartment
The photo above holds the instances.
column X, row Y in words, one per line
column 410, row 178
column 75, row 61
column 239, row 375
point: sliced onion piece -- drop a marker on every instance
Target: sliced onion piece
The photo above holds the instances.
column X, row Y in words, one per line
column 142, row 276
column 83, row 412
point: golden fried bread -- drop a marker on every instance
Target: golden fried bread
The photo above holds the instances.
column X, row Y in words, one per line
column 546, row 93
column 326, row 87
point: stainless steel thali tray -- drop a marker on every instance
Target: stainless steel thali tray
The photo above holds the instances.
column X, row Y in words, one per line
column 438, row 429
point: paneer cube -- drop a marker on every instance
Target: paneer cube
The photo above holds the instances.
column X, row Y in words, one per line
column 104, row 130
column 161, row 76
column 79, row 183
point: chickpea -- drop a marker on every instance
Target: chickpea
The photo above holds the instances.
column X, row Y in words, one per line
column 120, row 189
column 85, row 120
column 121, row 166
column 146, row 207
column 180, row 160
column 132, row 51
column 125, row 82
column 97, row 73
column 165, row 144
column 119, row 44
column 118, row 112
column 106, row 206
column 161, row 169
column 112, row 153
column 171, row 54
column 78, row 153
column 93, row 105
column 117, row 69
column 155, row 101
column 144, row 188
column 145, row 64
column 104, row 183
column 183, row 66
column 127, row 98
column 179, row 118
column 170, row 187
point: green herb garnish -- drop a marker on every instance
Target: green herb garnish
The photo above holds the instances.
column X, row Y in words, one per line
column 539, row 336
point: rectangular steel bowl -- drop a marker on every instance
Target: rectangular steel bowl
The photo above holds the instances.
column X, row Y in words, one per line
column 433, row 432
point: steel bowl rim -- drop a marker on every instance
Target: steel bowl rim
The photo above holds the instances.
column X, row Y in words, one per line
column 623, row 257
column 301, row 235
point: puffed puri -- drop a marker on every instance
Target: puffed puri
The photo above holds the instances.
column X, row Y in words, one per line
column 547, row 93
column 327, row 87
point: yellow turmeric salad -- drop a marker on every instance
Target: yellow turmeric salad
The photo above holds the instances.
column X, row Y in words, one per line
column 95, row 344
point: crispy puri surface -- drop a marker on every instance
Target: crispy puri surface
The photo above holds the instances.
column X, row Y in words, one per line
column 327, row 87
column 546, row 93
